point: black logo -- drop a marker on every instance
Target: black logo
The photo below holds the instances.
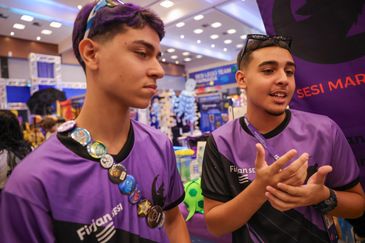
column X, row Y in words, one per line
column 323, row 33
column 158, row 195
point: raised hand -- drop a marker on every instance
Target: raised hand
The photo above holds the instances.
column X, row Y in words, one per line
column 294, row 174
column 284, row 197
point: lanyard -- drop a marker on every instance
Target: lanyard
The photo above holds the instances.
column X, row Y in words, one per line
column 261, row 139
column 327, row 220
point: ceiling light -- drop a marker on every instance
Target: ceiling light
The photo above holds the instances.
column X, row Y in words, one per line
column 19, row 26
column 239, row 45
column 186, row 53
column 182, row 36
column 177, row 62
column 243, row 37
column 180, row 24
column 198, row 31
column 167, row 4
column 214, row 36
column 227, row 41
column 188, row 59
column 27, row 18
column 55, row 24
column 12, row 33
column 174, row 57
column 231, row 31
column 216, row 25
column 163, row 60
column 38, row 38
column 170, row 50
column 224, row 49
column 46, row 32
column 198, row 41
column 199, row 17
column 79, row 7
column 212, row 45
column 199, row 56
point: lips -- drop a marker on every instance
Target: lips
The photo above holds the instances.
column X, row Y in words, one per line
column 150, row 86
column 279, row 94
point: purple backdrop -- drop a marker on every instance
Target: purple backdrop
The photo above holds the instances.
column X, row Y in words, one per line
column 329, row 51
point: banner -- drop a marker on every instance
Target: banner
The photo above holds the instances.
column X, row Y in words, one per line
column 329, row 51
column 215, row 76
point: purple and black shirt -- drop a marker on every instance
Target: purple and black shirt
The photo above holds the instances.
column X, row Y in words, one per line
column 59, row 193
column 229, row 167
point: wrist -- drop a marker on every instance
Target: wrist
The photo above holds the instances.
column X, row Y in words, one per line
column 329, row 203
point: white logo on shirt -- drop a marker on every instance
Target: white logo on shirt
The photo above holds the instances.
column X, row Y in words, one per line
column 106, row 220
column 242, row 173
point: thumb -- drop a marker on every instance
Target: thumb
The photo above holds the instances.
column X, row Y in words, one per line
column 320, row 176
column 260, row 156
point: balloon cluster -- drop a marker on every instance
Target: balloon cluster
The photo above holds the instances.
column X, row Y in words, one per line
column 185, row 104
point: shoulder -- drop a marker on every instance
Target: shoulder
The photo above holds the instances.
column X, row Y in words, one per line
column 143, row 132
column 317, row 121
column 227, row 129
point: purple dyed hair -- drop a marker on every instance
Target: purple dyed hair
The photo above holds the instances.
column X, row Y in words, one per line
column 111, row 21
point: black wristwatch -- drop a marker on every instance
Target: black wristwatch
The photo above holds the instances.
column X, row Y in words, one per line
column 328, row 204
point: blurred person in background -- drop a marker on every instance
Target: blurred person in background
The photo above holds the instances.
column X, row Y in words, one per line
column 13, row 147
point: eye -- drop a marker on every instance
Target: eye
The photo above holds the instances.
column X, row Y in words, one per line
column 289, row 73
column 267, row 71
column 142, row 54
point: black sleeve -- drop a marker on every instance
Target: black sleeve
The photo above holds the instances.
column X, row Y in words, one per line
column 214, row 179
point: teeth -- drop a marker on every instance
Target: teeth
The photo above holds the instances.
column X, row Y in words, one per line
column 279, row 95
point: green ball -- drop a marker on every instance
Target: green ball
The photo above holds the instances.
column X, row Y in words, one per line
column 194, row 200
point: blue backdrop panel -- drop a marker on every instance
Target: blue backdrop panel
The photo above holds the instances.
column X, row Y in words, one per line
column 40, row 87
column 17, row 94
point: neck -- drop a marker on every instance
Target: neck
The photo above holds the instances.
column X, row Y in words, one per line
column 106, row 120
column 264, row 122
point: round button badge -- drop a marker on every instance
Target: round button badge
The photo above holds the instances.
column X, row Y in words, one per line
column 66, row 126
column 96, row 149
column 117, row 173
column 135, row 196
column 106, row 161
column 81, row 135
column 155, row 217
column 128, row 185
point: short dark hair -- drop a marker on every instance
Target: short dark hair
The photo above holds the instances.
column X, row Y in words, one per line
column 244, row 56
column 11, row 135
column 109, row 21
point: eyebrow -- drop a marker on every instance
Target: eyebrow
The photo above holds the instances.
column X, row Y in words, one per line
column 148, row 45
column 276, row 63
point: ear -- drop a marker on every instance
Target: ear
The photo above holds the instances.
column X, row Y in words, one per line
column 88, row 52
column 241, row 79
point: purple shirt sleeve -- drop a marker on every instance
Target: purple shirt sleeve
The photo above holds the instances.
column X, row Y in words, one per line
column 22, row 221
column 345, row 173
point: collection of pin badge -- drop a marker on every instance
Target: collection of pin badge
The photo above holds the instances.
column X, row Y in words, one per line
column 117, row 173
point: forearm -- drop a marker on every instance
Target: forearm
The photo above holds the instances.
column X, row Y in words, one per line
column 229, row 216
column 349, row 205
column 176, row 229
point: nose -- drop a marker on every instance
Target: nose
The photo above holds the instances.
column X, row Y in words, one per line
column 282, row 78
column 156, row 71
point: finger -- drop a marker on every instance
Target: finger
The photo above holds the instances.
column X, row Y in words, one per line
column 277, row 165
column 294, row 167
column 299, row 177
column 277, row 204
column 282, row 195
column 295, row 191
column 320, row 176
column 260, row 156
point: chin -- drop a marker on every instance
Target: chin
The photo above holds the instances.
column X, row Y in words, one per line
column 276, row 112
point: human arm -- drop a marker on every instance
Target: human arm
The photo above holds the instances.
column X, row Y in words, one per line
column 175, row 226
column 253, row 196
